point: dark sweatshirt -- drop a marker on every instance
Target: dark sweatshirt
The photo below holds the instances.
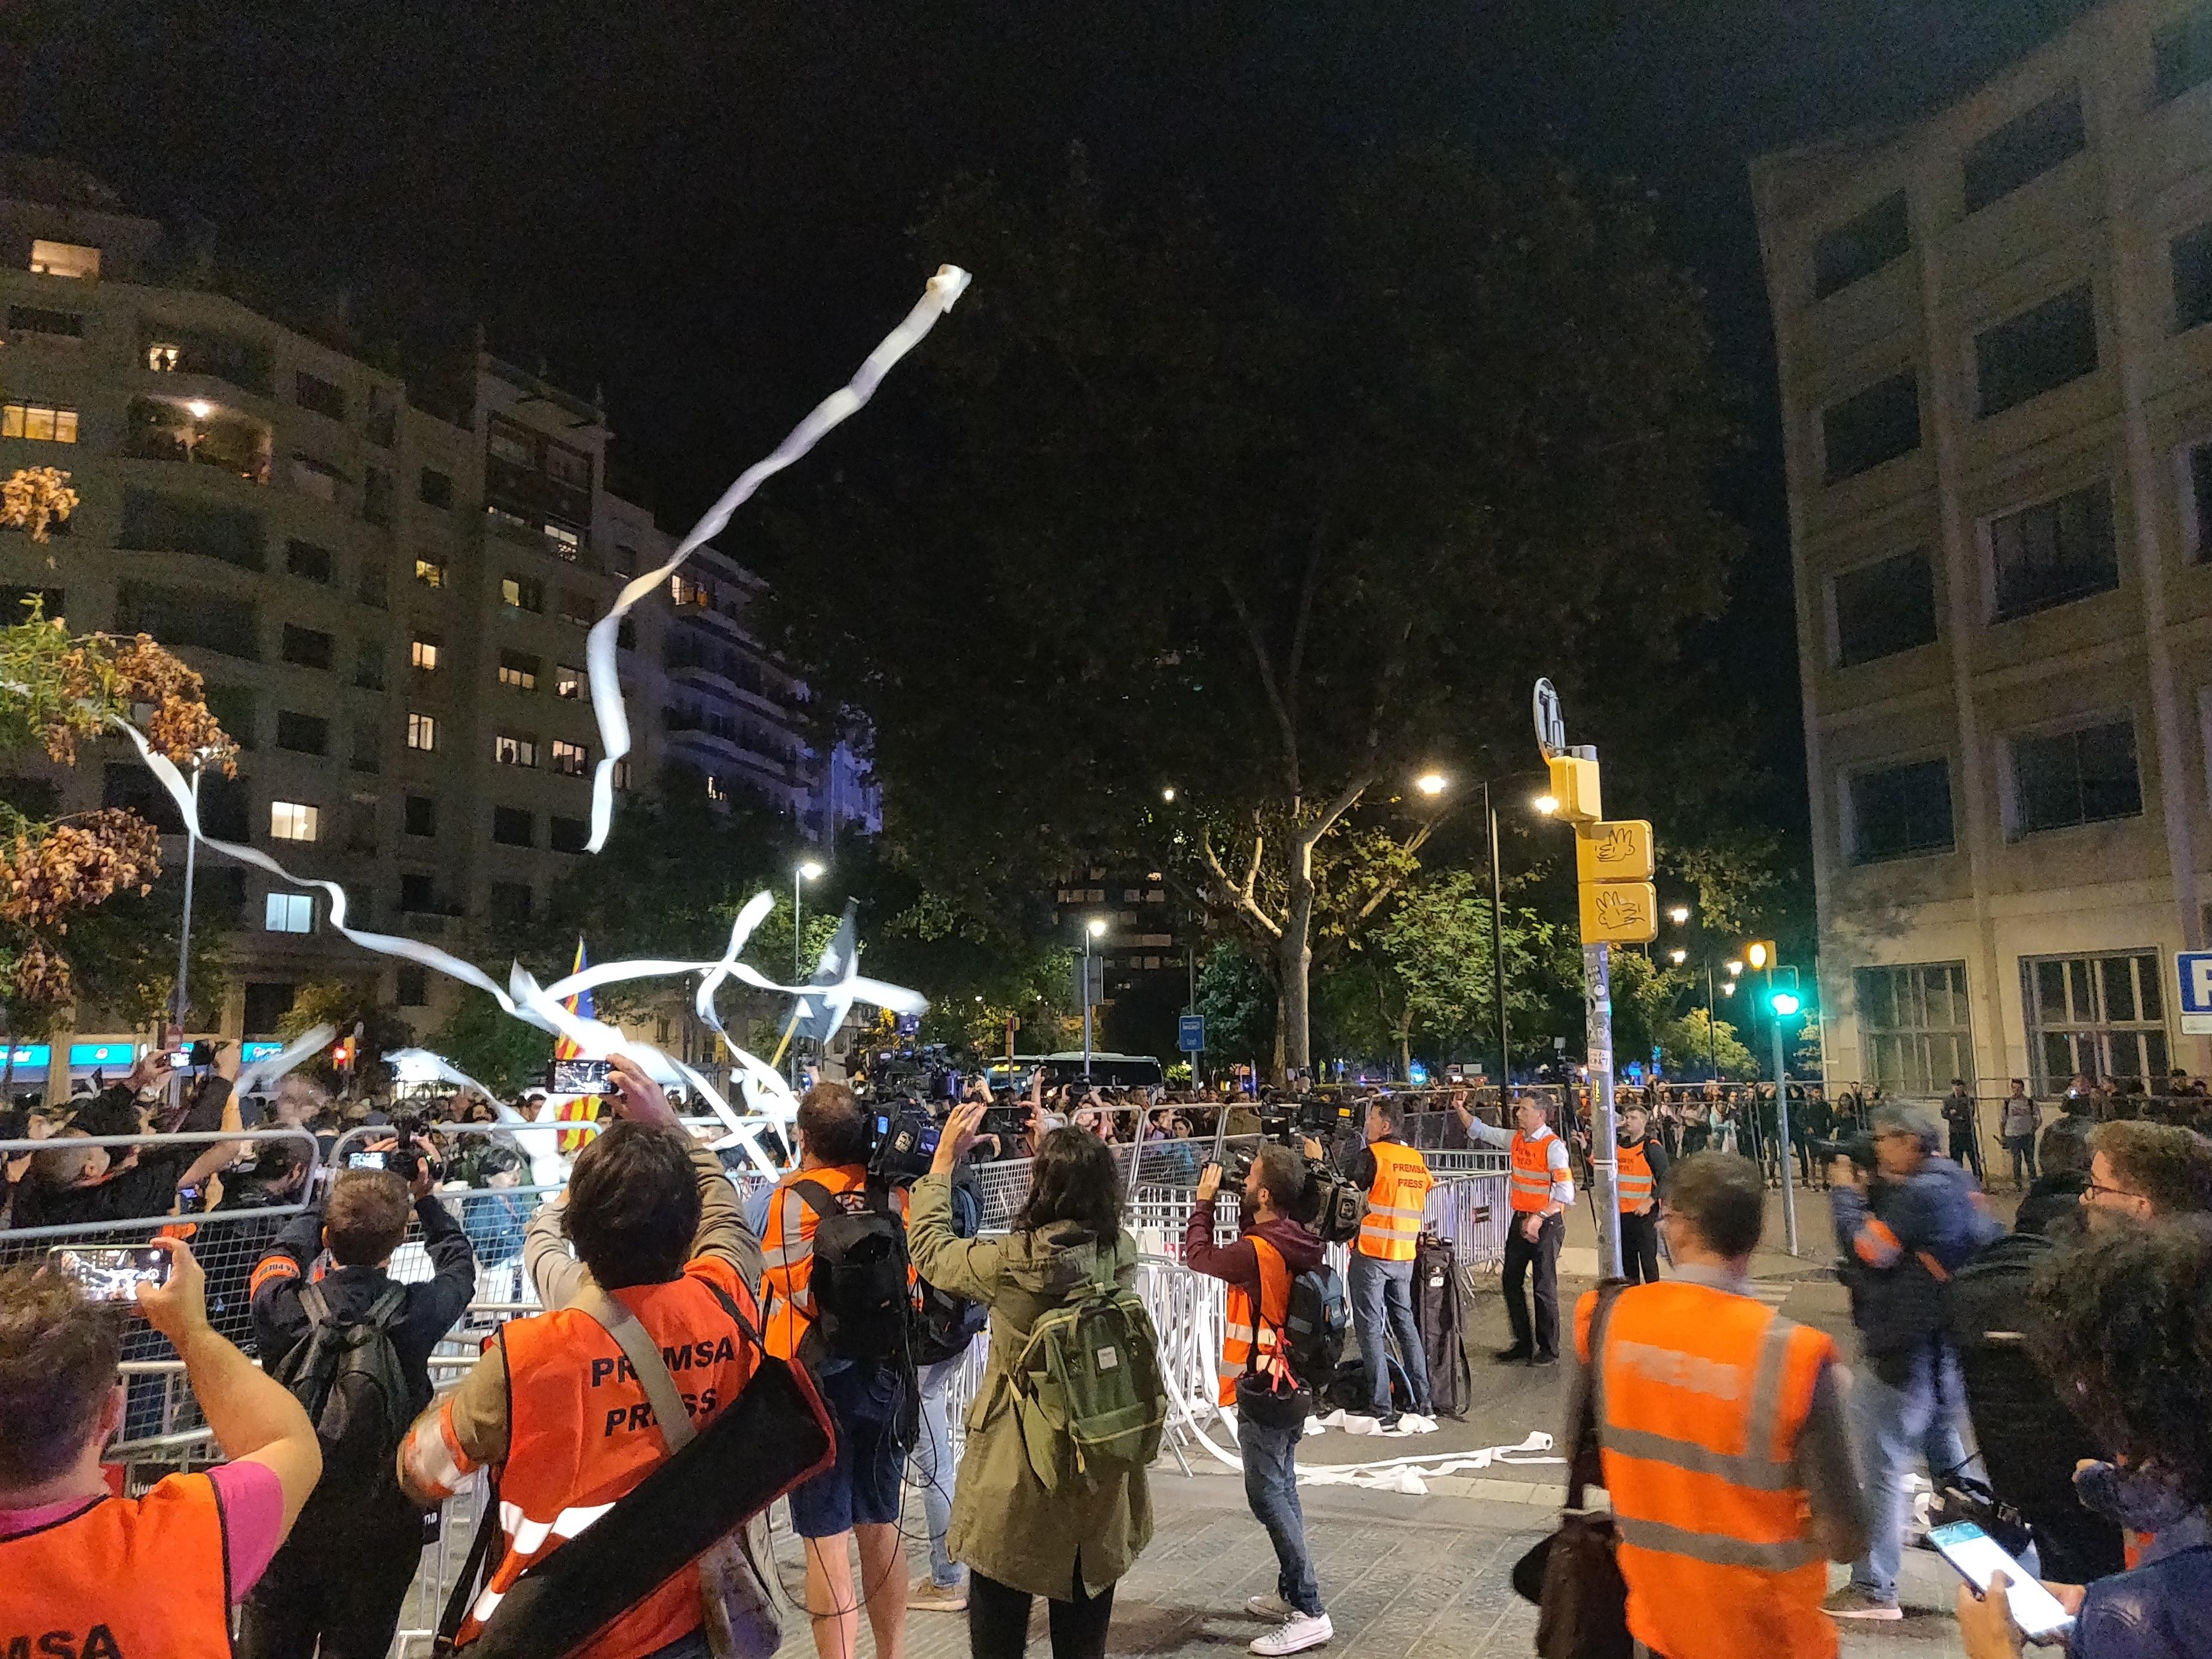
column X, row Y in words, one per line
column 1239, row 1263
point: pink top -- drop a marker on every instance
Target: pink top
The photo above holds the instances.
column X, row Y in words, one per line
column 253, row 1501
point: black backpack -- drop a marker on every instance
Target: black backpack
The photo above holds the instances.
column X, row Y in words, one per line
column 862, row 1300
column 1436, row 1317
column 945, row 1324
column 346, row 1374
column 1314, row 1326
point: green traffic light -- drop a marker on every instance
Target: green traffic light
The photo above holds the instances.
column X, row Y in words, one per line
column 1784, row 1003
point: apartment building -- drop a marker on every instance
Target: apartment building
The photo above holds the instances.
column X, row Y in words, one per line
column 1995, row 333
column 386, row 589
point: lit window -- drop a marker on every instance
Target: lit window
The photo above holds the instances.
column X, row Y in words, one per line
column 289, row 820
column 717, row 789
column 38, row 423
column 422, row 733
column 570, row 759
column 508, row 749
column 424, row 654
column 289, row 913
column 568, row 682
column 429, row 573
column 684, row 590
column 564, row 543
column 621, row 775
column 518, row 669
column 162, row 359
column 523, row 593
column 64, row 260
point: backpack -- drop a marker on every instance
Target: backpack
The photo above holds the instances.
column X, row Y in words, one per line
column 862, row 1303
column 1315, row 1324
column 1437, row 1315
column 1087, row 1388
column 346, row 1374
column 946, row 1324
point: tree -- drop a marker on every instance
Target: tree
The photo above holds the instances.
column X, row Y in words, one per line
column 1238, row 1005
column 1436, row 944
column 345, row 1004
column 1273, row 544
column 490, row 1045
column 1688, row 1044
column 33, row 499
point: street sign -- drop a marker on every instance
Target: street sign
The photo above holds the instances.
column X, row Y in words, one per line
column 1620, row 912
column 1550, row 723
column 1090, row 981
column 1190, row 1033
column 1617, row 851
column 2194, row 970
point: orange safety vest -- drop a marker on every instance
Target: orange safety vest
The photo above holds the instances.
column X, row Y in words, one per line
column 582, row 1433
column 1395, row 1202
column 122, row 1577
column 788, row 1250
column 1240, row 1338
column 1701, row 1396
column 1532, row 1173
column 1632, row 1182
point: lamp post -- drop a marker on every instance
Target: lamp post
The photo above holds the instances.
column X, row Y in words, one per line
column 1783, row 1004
column 805, row 870
column 180, row 999
column 1094, row 928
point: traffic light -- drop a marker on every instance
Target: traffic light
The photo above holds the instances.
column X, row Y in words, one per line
column 1785, row 1003
column 1760, row 955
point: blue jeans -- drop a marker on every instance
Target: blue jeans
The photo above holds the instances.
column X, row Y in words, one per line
column 1382, row 1289
column 1894, row 1427
column 1270, row 1486
column 932, row 1469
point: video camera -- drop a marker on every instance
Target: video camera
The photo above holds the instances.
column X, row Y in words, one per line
column 1858, row 1147
column 903, row 1138
column 1332, row 1206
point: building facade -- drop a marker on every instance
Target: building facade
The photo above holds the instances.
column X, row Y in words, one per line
column 1994, row 334
column 387, row 590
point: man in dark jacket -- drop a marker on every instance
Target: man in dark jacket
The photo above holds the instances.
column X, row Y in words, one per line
column 1958, row 1113
column 74, row 1186
column 2062, row 1176
column 343, row 1575
column 1905, row 1228
column 1271, row 1191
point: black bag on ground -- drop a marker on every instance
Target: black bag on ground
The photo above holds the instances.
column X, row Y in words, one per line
column 1574, row 1576
column 346, row 1375
column 862, row 1300
column 945, row 1324
column 1347, row 1391
column 1438, row 1313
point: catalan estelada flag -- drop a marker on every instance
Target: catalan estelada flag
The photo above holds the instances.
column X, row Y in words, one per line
column 580, row 1108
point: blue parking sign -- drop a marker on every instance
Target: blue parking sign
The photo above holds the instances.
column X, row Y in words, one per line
column 1190, row 1033
column 2194, row 969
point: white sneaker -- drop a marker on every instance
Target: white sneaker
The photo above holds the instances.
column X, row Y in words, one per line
column 1298, row 1636
column 1270, row 1607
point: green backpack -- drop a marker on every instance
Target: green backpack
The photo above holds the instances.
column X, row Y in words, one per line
column 1087, row 1386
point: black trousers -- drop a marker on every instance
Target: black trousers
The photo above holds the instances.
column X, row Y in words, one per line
column 344, row 1587
column 999, row 1619
column 1639, row 1247
column 1544, row 1256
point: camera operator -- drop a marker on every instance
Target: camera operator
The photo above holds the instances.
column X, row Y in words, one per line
column 1380, row 1277
column 70, row 1185
column 1271, row 1250
column 343, row 1576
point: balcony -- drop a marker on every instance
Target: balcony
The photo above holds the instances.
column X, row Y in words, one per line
column 194, row 432
column 236, row 362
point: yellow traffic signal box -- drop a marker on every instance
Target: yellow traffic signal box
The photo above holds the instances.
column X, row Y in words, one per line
column 1575, row 786
column 1760, row 955
column 1619, row 912
column 1619, row 850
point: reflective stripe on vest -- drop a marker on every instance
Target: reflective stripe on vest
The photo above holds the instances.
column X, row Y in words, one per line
column 582, row 1433
column 1395, row 1203
column 1532, row 1171
column 144, row 1574
column 1239, row 1340
column 1702, row 1395
column 1632, row 1181
column 786, row 1287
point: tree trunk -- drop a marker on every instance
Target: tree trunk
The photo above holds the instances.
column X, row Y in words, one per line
column 1406, row 1047
column 1294, row 954
column 1282, row 1023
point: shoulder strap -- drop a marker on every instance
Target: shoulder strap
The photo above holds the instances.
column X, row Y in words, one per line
column 638, row 1347
column 311, row 1298
column 737, row 1313
column 816, row 1198
column 464, row 1584
column 1586, row 1424
column 386, row 1307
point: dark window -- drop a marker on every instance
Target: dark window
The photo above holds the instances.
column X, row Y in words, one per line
column 37, row 320
column 131, row 787
column 372, row 580
column 1902, row 811
column 2200, row 483
column 417, row 894
column 513, row 826
column 624, row 562
column 414, row 988
column 576, row 606
column 316, row 564
column 2183, row 49
column 307, row 735
column 308, row 647
column 215, row 622
column 2192, row 278
column 1871, row 426
column 570, row 834
column 233, row 708
column 368, row 664
column 422, row 815
column 383, row 417
column 153, row 523
column 376, row 495
column 367, row 752
column 1861, row 247
column 2024, row 148
column 2037, row 351
column 2054, row 552
column 437, row 488
column 313, row 392
column 1915, row 1032
column 626, row 634
column 510, row 902
column 266, row 1005
column 2087, row 775
column 226, row 807
column 1884, row 608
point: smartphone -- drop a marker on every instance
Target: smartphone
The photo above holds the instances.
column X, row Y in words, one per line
column 111, row 1274
column 365, row 1160
column 1978, row 1558
column 581, row 1077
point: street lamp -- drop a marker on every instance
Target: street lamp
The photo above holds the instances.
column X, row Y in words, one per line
column 1679, row 914
column 807, row 869
column 181, row 1000
column 1735, row 968
column 1678, row 957
column 1167, row 794
column 1431, row 783
column 1546, row 804
column 1094, row 928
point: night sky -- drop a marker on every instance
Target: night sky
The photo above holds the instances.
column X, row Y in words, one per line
column 705, row 207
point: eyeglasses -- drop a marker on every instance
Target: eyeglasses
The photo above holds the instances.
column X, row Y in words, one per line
column 2116, row 1192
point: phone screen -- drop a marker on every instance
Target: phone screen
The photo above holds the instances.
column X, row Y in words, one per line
column 581, row 1077
column 1978, row 1558
column 364, row 1160
column 112, row 1274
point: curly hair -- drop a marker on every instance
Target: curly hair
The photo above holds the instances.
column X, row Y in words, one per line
column 2124, row 1327
column 2169, row 1165
column 1073, row 1180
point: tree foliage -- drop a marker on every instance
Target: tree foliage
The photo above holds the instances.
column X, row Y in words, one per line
column 491, row 1046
